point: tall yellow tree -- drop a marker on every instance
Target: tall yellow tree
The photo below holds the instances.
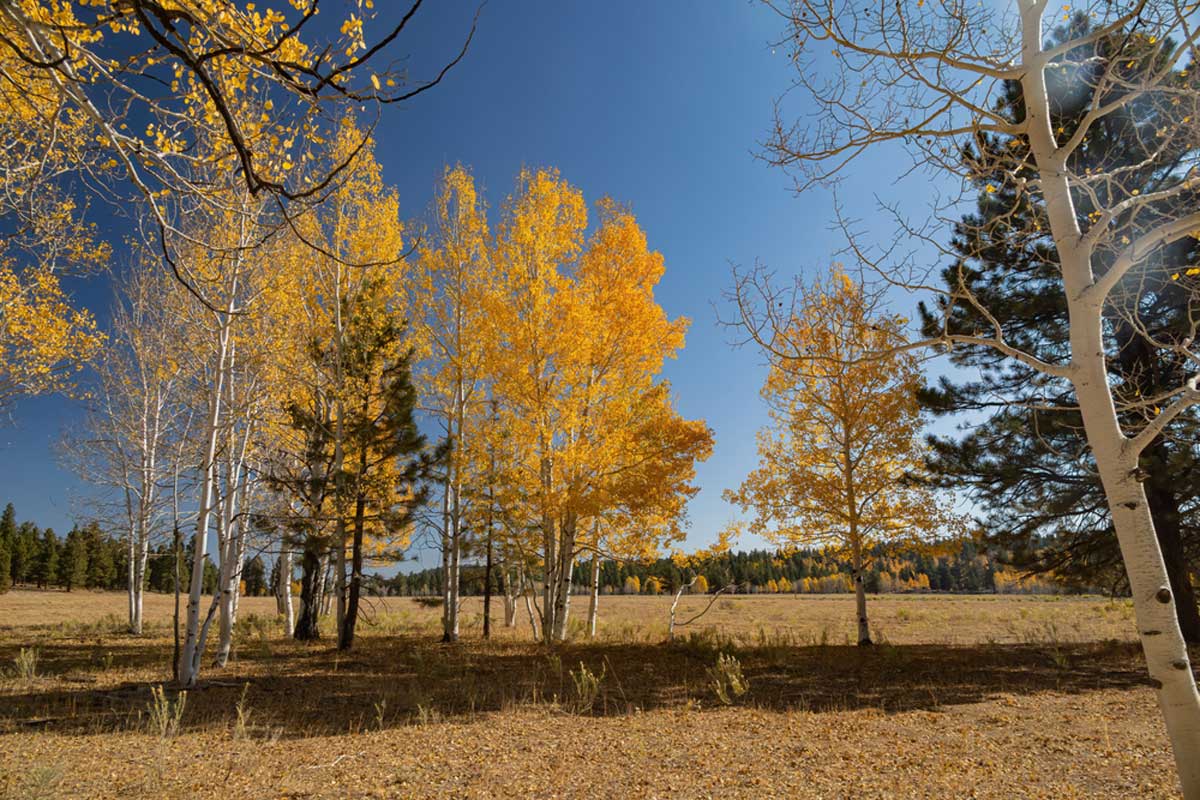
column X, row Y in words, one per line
column 580, row 342
column 843, row 442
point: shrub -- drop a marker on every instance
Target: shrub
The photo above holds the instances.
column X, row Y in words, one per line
column 726, row 679
column 587, row 688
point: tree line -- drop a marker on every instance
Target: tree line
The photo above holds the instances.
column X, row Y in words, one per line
column 962, row 567
column 90, row 558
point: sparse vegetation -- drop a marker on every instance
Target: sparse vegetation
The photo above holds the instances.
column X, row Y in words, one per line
column 950, row 663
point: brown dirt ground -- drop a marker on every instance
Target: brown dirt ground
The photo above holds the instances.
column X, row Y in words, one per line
column 993, row 697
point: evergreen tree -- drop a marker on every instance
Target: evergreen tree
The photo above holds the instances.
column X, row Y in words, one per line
column 8, row 532
column 73, row 570
column 24, row 551
column 254, row 575
column 1027, row 465
column 101, row 569
column 45, row 567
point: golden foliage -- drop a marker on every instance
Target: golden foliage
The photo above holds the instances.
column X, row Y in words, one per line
column 843, row 439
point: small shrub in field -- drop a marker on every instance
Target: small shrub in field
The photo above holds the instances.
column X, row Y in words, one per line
column 26, row 663
column 165, row 714
column 428, row 602
column 726, row 679
column 587, row 688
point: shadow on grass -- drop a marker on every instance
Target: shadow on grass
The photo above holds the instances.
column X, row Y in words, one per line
column 311, row 690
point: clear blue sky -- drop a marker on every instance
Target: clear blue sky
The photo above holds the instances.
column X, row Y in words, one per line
column 658, row 104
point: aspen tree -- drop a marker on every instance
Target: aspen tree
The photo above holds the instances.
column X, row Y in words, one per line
column 928, row 76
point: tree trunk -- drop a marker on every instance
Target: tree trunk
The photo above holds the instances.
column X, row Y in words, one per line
column 527, row 590
column 860, row 596
column 190, row 662
column 312, row 571
column 594, row 604
column 510, row 599
column 283, row 589
column 1164, row 511
column 346, row 639
column 177, row 551
column 339, row 575
column 135, row 626
column 1162, row 641
column 487, row 579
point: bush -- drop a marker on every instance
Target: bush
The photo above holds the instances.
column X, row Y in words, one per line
column 726, row 679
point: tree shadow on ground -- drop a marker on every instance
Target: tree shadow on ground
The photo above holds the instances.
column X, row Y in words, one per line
column 294, row 689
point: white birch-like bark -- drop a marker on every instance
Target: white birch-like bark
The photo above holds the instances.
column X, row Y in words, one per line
column 931, row 80
column 189, row 666
column 594, row 603
column 510, row 600
column 1116, row 457
column 283, row 589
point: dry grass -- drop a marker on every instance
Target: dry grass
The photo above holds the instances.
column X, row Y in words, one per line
column 966, row 696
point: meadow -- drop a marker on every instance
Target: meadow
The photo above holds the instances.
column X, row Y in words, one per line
column 964, row 696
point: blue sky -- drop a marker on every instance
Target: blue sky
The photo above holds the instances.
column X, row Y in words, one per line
column 659, row 104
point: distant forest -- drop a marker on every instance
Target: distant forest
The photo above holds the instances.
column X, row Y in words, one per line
column 965, row 568
column 87, row 558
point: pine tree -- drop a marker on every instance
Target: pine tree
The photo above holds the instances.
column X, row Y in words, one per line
column 24, row 550
column 101, row 569
column 1045, row 504
column 45, row 567
column 254, row 575
column 74, row 568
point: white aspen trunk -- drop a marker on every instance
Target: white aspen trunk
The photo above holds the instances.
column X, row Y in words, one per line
column 510, row 601
column 232, row 536
column 860, row 597
column 533, row 617
column 594, row 603
column 1158, row 626
column 455, row 576
column 561, row 590
column 446, row 557
column 139, row 581
column 135, row 623
column 189, row 662
column 284, row 590
column 323, row 599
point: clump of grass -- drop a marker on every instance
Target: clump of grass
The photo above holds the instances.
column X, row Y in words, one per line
column 165, row 714
column 427, row 714
column 26, row 663
column 726, row 679
column 380, row 707
column 587, row 688
column 241, row 725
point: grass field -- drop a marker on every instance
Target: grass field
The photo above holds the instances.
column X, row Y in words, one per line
column 965, row 697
